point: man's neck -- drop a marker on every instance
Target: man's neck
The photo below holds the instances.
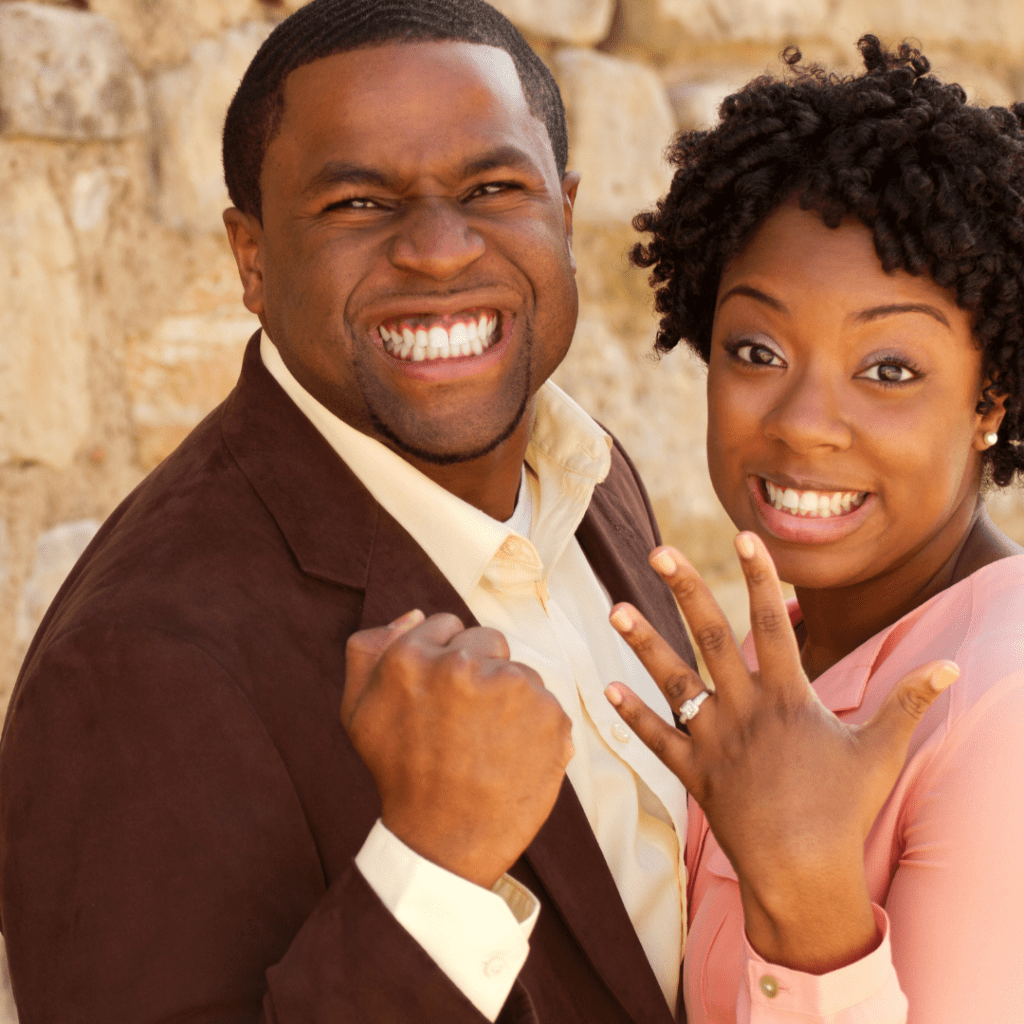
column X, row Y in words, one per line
column 490, row 483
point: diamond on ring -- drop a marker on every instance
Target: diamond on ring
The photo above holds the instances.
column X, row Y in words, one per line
column 689, row 708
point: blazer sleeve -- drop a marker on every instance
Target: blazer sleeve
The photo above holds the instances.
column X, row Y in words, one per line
column 156, row 863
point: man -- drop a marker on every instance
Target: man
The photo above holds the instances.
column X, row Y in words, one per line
column 189, row 831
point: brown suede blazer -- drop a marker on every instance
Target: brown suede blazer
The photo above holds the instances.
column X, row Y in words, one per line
column 179, row 804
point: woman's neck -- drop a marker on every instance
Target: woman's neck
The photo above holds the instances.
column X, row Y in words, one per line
column 837, row 621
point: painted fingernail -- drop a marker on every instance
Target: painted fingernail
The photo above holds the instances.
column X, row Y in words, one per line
column 664, row 563
column 622, row 620
column 945, row 676
column 614, row 696
column 413, row 618
column 745, row 545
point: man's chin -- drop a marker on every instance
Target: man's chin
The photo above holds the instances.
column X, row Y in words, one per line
column 449, row 451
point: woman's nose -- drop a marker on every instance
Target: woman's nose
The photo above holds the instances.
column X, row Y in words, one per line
column 809, row 415
column 434, row 238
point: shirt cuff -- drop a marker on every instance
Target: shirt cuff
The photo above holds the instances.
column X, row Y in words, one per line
column 478, row 937
column 866, row 990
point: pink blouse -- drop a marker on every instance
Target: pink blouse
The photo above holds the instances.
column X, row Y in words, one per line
column 945, row 858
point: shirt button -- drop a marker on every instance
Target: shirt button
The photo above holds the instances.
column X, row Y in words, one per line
column 509, row 547
column 620, row 732
column 769, row 986
column 495, row 967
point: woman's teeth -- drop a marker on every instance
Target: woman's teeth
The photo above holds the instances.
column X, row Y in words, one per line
column 814, row 504
column 464, row 336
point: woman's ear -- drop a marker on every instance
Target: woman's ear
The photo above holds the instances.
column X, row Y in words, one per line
column 986, row 432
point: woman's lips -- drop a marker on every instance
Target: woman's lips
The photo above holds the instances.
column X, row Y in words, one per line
column 820, row 525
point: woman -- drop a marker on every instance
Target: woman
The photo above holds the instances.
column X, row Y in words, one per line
column 847, row 256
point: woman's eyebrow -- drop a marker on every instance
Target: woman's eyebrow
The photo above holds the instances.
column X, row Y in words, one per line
column 753, row 293
column 877, row 312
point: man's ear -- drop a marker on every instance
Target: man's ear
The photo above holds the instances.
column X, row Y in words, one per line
column 245, row 233
column 570, row 183
column 990, row 419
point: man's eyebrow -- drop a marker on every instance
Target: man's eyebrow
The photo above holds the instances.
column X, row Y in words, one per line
column 338, row 172
column 877, row 312
column 508, row 156
column 753, row 293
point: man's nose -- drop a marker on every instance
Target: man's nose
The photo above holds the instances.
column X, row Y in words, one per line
column 434, row 238
column 809, row 415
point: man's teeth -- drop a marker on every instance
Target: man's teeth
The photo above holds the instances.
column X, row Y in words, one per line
column 814, row 504
column 465, row 337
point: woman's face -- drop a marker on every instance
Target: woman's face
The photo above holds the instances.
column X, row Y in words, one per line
column 842, row 426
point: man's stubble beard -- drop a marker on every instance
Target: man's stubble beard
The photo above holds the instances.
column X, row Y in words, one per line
column 406, row 446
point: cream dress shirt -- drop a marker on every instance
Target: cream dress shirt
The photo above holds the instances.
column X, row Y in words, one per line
column 529, row 579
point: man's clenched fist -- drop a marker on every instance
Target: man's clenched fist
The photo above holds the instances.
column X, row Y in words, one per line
column 467, row 748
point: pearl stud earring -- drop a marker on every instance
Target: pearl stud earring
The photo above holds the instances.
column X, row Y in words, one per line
column 991, row 437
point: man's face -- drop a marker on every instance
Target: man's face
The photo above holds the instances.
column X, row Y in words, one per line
column 413, row 266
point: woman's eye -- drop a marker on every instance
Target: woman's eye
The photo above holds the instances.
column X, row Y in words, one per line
column 889, row 373
column 759, row 355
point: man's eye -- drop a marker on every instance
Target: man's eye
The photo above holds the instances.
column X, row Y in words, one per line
column 889, row 373
column 358, row 203
column 493, row 188
column 759, row 355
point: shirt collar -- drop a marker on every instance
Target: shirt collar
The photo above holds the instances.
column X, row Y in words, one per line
column 569, row 451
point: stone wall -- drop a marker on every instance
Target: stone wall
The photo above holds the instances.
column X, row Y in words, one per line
column 120, row 315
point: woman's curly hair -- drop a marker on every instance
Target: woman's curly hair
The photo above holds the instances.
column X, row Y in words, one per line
column 938, row 182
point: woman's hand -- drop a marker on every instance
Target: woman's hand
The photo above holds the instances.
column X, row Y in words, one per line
column 789, row 791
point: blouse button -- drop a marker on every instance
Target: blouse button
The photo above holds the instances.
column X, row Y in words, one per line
column 620, row 732
column 769, row 986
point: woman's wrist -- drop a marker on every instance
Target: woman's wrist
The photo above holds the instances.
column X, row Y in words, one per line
column 815, row 927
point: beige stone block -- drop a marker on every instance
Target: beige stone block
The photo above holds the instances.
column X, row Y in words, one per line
column 1006, row 506
column 8, row 1012
column 995, row 24
column 66, row 74
column 56, row 552
column 620, row 122
column 161, row 34
column 189, row 106
column 655, row 406
column 44, row 394
column 663, row 25
column 187, row 364
column 5, row 557
column 580, row 22
column 696, row 88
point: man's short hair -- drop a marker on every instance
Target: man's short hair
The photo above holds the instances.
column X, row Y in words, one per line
column 326, row 27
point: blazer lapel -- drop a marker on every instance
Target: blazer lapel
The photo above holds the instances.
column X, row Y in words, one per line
column 338, row 532
column 615, row 536
column 567, row 859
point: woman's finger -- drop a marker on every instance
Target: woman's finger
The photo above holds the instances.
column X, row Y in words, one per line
column 708, row 624
column 778, row 654
column 676, row 680
column 673, row 748
column 888, row 732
